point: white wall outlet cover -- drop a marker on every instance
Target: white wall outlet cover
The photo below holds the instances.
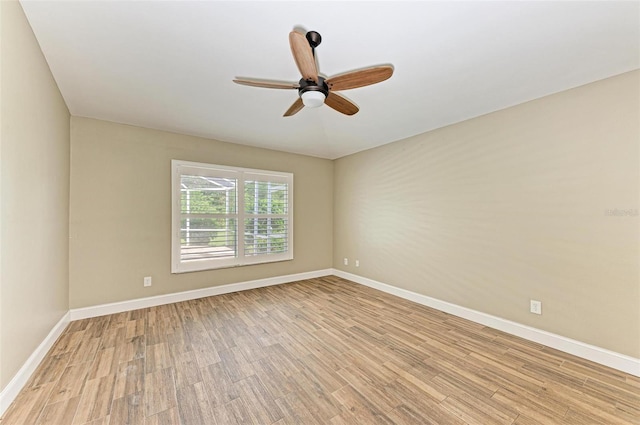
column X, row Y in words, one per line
column 536, row 307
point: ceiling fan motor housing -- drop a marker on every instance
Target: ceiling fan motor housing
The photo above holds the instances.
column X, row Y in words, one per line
column 310, row 85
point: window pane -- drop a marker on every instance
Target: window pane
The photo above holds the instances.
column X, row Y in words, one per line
column 212, row 203
column 265, row 197
column 207, row 195
column 202, row 238
column 265, row 236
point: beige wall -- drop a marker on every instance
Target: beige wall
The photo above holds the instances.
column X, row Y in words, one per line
column 508, row 207
column 120, row 222
column 34, row 177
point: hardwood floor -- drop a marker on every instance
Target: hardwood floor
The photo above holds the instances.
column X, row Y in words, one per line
column 320, row 351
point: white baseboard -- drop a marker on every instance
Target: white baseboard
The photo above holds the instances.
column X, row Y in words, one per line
column 118, row 307
column 16, row 384
column 599, row 355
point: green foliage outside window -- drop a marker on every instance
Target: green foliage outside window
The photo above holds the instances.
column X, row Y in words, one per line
column 265, row 235
column 262, row 234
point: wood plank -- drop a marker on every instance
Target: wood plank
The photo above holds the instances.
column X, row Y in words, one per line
column 105, row 363
column 132, row 348
column 168, row 417
column 235, row 364
column 95, row 402
column 234, row 412
column 158, row 357
column 525, row 405
column 186, row 370
column 50, row 369
column 218, row 385
column 415, row 405
column 128, row 410
column 70, row 383
column 67, row 342
column 258, row 401
column 423, row 386
column 359, row 407
column 59, row 413
column 193, row 405
column 29, row 405
column 295, row 412
column 85, row 351
column 275, row 382
column 368, row 389
column 320, row 403
column 159, row 391
column 129, row 378
column 479, row 411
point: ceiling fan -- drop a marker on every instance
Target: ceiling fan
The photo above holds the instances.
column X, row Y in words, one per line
column 314, row 90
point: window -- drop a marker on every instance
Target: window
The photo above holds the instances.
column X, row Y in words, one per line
column 228, row 216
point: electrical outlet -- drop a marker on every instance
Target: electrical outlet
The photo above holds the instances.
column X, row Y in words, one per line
column 147, row 281
column 536, row 307
column 357, row 263
column 346, row 261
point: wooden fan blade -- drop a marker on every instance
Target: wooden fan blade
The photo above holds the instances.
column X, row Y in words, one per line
column 303, row 55
column 266, row 84
column 360, row 78
column 293, row 109
column 341, row 104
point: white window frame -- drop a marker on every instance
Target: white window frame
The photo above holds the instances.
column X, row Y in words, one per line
column 178, row 168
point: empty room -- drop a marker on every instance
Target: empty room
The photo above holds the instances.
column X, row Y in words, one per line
column 319, row 212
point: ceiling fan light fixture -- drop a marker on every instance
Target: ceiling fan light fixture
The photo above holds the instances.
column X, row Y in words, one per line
column 313, row 98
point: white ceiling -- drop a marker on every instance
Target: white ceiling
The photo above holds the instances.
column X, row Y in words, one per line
column 169, row 65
